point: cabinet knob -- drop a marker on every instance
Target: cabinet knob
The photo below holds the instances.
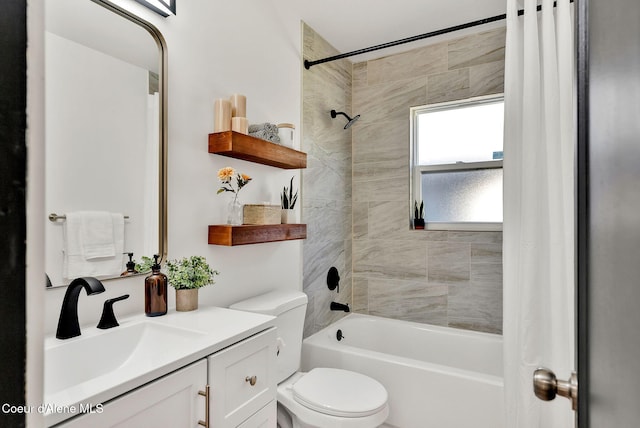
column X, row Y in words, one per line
column 251, row 379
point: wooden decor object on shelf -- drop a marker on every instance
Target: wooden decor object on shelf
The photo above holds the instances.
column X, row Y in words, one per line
column 246, row 147
column 261, row 214
column 224, row 234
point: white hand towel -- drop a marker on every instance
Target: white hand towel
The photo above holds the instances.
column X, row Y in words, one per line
column 97, row 234
column 75, row 262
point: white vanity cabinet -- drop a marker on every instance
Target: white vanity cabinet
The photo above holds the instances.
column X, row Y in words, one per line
column 242, row 381
column 241, row 386
column 171, row 401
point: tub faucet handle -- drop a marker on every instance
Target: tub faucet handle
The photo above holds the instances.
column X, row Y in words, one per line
column 333, row 279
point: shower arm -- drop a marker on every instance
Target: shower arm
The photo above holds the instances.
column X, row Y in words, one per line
column 335, row 113
column 350, row 121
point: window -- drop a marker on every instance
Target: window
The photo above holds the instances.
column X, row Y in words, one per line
column 457, row 163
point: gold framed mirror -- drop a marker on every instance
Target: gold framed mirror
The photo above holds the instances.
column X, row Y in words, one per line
column 105, row 136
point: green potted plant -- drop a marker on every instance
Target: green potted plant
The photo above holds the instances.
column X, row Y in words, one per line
column 187, row 275
column 144, row 266
column 418, row 215
column 288, row 201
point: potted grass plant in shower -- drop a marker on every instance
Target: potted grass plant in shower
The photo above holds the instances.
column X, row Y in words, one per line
column 418, row 215
column 187, row 275
column 288, row 201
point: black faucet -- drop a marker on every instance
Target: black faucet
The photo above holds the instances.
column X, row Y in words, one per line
column 339, row 307
column 108, row 318
column 68, row 326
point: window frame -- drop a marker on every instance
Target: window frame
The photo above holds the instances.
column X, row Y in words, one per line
column 416, row 170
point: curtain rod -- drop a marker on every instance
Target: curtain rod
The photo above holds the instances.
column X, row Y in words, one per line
column 308, row 64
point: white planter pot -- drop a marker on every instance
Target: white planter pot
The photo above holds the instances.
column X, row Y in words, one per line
column 288, row 217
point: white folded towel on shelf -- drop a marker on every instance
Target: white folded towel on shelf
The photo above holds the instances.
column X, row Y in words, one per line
column 93, row 244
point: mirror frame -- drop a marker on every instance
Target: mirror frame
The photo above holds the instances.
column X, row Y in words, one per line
column 163, row 133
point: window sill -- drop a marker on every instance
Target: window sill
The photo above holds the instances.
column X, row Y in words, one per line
column 464, row 226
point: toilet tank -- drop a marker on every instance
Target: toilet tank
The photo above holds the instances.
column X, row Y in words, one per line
column 289, row 308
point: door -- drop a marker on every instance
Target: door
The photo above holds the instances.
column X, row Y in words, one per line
column 13, row 206
column 608, row 253
column 609, row 239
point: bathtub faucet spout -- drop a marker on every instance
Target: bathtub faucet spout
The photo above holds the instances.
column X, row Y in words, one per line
column 339, row 307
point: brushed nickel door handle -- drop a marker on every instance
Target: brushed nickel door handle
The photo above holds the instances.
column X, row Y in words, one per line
column 546, row 386
column 251, row 379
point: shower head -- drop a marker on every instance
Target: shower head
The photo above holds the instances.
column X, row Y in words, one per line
column 350, row 120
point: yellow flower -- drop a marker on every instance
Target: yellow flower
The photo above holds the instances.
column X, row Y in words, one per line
column 225, row 174
column 232, row 181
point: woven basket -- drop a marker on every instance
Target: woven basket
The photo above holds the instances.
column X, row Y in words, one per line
column 261, row 214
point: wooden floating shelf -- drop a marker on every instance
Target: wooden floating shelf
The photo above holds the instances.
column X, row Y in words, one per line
column 241, row 146
column 224, row 234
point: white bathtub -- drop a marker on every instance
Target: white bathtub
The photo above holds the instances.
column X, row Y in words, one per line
column 437, row 377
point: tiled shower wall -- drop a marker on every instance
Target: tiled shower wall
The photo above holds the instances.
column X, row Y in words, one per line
column 450, row 278
column 326, row 182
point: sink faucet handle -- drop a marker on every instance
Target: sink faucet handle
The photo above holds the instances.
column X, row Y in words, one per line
column 108, row 318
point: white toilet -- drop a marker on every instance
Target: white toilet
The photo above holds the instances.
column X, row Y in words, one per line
column 323, row 397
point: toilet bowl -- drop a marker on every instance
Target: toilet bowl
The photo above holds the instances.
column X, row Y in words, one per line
column 322, row 397
column 326, row 397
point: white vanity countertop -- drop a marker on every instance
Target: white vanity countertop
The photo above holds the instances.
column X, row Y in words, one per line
column 100, row 365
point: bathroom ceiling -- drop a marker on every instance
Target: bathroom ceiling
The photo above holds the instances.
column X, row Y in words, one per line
column 355, row 24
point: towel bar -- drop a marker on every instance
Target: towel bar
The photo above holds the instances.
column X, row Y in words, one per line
column 55, row 217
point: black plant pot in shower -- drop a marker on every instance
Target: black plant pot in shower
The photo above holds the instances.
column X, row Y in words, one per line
column 418, row 223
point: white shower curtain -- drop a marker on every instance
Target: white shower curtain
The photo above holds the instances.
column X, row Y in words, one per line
column 538, row 229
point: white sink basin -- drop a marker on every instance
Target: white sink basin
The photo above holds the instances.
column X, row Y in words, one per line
column 74, row 361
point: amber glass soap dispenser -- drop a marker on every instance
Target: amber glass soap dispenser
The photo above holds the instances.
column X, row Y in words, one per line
column 155, row 291
column 131, row 266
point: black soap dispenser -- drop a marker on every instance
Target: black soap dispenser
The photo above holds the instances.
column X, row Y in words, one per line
column 131, row 266
column 155, row 291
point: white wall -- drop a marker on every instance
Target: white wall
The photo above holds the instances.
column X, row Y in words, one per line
column 35, row 291
column 216, row 49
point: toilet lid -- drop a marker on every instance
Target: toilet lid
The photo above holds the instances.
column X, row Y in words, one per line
column 340, row 392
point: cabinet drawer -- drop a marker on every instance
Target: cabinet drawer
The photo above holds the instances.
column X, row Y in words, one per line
column 263, row 418
column 232, row 371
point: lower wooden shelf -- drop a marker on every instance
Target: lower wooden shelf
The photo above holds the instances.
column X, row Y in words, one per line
column 225, row 234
